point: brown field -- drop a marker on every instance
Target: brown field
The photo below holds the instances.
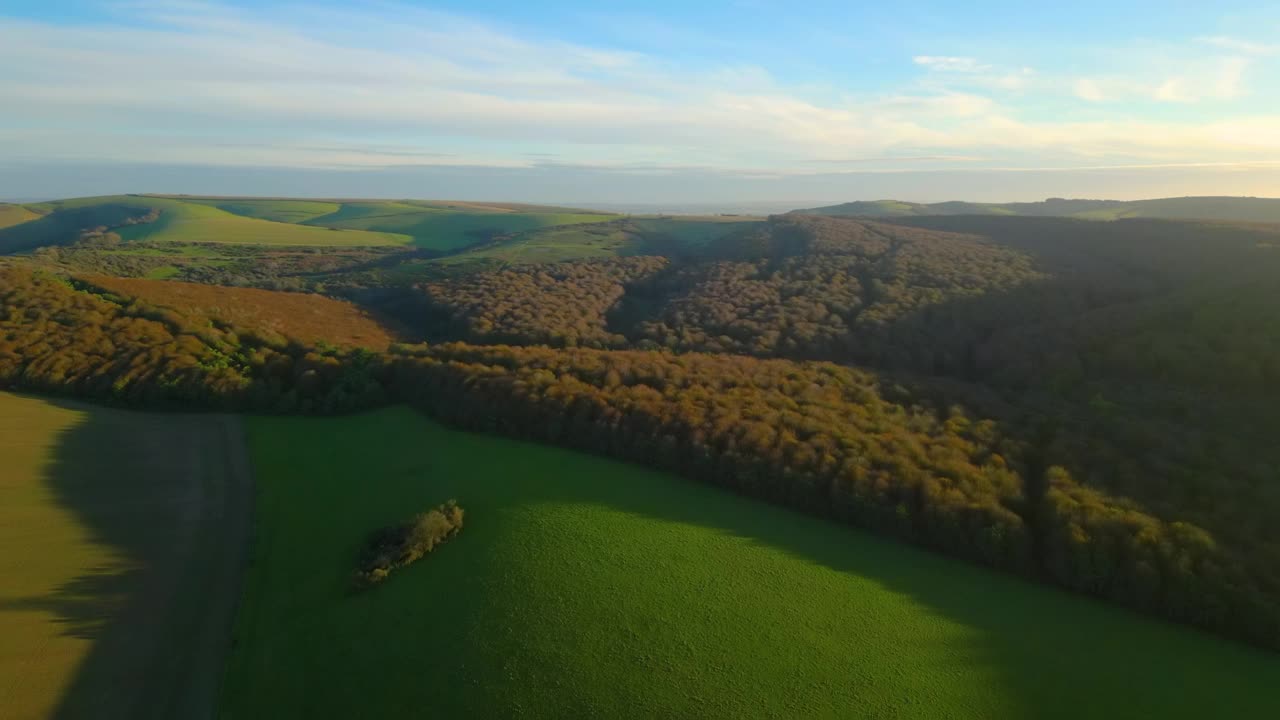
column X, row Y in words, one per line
column 305, row 317
column 122, row 540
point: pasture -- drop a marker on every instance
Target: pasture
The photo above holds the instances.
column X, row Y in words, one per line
column 447, row 227
column 11, row 215
column 180, row 220
column 121, row 541
column 286, row 211
column 582, row 587
column 632, row 236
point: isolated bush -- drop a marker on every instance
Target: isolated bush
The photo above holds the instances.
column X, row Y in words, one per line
column 394, row 547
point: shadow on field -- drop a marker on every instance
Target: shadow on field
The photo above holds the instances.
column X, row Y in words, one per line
column 1056, row 654
column 152, row 491
column 513, row 618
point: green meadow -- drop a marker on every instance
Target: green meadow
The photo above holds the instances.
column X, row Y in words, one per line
column 437, row 226
column 581, row 587
column 634, row 236
column 449, row 227
column 179, row 221
column 285, row 211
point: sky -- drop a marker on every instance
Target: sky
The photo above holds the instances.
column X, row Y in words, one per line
column 732, row 101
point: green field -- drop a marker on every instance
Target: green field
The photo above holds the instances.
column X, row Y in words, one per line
column 634, row 236
column 445, row 226
column 557, row 244
column 439, row 226
column 581, row 587
column 180, row 221
column 121, row 541
column 286, row 211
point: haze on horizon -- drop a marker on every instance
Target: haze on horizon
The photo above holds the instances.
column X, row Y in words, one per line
column 656, row 102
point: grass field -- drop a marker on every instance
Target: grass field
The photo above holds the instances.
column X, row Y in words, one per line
column 635, row 236
column 436, row 226
column 582, row 587
column 449, row 226
column 121, row 542
column 286, row 211
column 180, row 221
column 11, row 215
column 557, row 244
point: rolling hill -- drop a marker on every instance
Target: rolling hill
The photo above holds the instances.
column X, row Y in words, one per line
column 137, row 217
column 439, row 227
column 451, row 226
column 11, row 215
column 1236, row 209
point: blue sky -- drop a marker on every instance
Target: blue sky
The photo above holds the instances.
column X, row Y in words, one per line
column 698, row 102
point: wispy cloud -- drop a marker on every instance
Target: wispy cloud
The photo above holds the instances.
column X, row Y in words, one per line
column 1221, row 78
column 1246, row 47
column 943, row 63
column 197, row 83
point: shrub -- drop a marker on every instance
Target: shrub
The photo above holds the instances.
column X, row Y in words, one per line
column 394, row 547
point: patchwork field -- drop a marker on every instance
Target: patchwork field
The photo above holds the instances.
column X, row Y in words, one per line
column 581, row 587
column 121, row 542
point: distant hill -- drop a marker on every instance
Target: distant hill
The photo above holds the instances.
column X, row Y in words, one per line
column 1240, row 209
column 439, row 226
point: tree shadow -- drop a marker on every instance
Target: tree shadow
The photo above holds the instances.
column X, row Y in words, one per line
column 1103, row 662
column 151, row 492
column 1051, row 654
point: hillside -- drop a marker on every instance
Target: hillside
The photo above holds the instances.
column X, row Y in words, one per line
column 438, row 227
column 1235, row 209
column 137, row 217
column 15, row 215
column 583, row 587
column 445, row 226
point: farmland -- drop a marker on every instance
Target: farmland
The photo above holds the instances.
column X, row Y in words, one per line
column 11, row 215
column 632, row 236
column 121, row 536
column 447, row 227
column 582, row 587
column 435, row 226
column 178, row 221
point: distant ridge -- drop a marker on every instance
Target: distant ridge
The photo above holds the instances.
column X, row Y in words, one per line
column 1235, row 209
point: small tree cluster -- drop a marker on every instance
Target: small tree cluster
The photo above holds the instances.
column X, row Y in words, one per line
column 394, row 547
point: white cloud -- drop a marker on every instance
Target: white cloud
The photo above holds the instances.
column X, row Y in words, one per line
column 1220, row 78
column 1087, row 89
column 1246, row 47
column 943, row 63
